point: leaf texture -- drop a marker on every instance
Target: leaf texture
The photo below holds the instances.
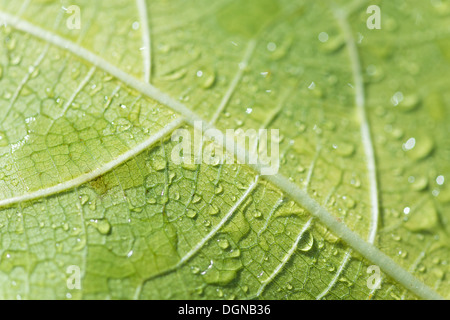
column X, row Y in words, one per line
column 85, row 151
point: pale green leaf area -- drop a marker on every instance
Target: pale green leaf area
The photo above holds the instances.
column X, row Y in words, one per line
column 87, row 178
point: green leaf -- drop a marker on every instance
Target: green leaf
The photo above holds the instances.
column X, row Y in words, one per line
column 87, row 180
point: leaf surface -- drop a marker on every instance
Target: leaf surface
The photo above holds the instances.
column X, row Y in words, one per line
column 87, row 178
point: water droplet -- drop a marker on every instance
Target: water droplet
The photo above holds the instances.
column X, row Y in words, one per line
column 344, row 149
column 15, row 60
column 189, row 166
column 195, row 270
column 332, row 45
column 440, row 180
column 423, row 218
column 223, row 243
column 122, row 125
column 323, row 37
column 410, row 144
column 418, row 184
column 235, row 253
column 207, row 77
column 159, row 163
column 409, row 103
column 349, row 202
column 257, row 214
column 196, row 198
column 95, row 89
column 218, row 189
column 84, row 198
column 175, row 75
column 49, row 92
column 306, row 242
column 92, row 205
column 102, row 226
column 419, row 147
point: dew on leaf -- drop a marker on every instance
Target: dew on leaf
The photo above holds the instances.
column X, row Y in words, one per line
column 213, row 209
column 103, row 226
column 409, row 103
column 306, row 242
column 423, row 218
column 235, row 253
column 191, row 213
column 15, row 60
column 440, row 180
column 419, row 147
column 344, row 149
column 195, row 270
column 175, row 75
column 257, row 214
column 3, row 139
column 218, row 189
column 159, row 163
column 418, row 184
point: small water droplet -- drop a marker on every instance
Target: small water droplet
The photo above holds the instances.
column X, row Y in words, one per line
column 218, row 189
column 103, row 226
column 195, row 270
column 306, row 242
column 223, row 243
column 419, row 147
column 191, row 213
column 257, row 214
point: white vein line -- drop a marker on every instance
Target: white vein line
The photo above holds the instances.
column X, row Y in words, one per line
column 25, row 79
column 365, row 127
column 285, row 259
column 337, row 275
column 77, row 91
column 237, row 78
column 146, row 40
column 222, row 222
column 366, row 249
column 58, row 188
